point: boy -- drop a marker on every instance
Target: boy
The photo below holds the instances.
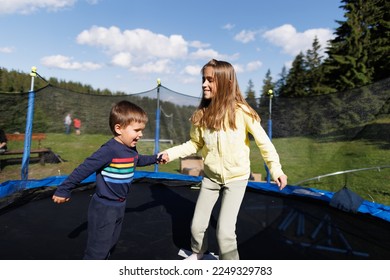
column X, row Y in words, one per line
column 114, row 164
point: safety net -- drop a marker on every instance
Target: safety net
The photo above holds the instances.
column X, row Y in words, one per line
column 335, row 149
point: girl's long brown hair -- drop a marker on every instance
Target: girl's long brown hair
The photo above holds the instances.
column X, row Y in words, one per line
column 211, row 113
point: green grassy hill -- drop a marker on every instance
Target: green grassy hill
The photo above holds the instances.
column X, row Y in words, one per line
column 302, row 158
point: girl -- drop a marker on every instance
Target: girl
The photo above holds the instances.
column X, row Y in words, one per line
column 219, row 130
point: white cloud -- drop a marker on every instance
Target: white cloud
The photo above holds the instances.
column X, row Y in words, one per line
column 198, row 44
column 228, row 26
column 159, row 66
column 293, row 42
column 138, row 50
column 205, row 54
column 31, row 6
column 253, row 66
column 122, row 59
column 239, row 68
column 6, row 50
column 245, row 36
column 67, row 63
column 190, row 80
column 193, row 70
column 140, row 43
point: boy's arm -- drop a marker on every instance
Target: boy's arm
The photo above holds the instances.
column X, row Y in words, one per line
column 144, row 160
column 92, row 164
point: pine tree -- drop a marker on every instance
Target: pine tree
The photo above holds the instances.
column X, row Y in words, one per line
column 267, row 89
column 267, row 84
column 296, row 82
column 250, row 95
column 348, row 63
column 1, row 78
column 379, row 50
column 314, row 74
column 281, row 83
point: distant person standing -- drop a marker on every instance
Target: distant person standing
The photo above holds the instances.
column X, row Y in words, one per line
column 77, row 125
column 67, row 123
column 3, row 141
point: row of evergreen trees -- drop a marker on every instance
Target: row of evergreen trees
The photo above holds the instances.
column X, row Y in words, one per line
column 15, row 81
column 358, row 55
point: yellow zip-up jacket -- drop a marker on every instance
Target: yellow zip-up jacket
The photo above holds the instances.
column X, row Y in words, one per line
column 226, row 153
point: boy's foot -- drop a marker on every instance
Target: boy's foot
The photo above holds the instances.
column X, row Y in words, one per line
column 194, row 257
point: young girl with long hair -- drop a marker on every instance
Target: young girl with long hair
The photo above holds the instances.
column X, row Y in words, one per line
column 219, row 130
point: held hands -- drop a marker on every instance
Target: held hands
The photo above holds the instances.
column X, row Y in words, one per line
column 162, row 158
column 58, row 199
column 281, row 182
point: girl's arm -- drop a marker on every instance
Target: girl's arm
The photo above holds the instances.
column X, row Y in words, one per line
column 267, row 149
column 188, row 148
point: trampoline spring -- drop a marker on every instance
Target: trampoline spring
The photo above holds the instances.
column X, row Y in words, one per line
column 287, row 221
column 301, row 225
column 325, row 219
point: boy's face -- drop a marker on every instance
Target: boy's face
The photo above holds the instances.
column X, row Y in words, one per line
column 130, row 134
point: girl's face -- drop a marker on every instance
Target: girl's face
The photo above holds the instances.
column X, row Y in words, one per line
column 209, row 85
column 130, row 134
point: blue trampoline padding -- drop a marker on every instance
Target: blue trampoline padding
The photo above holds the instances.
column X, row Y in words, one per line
column 9, row 187
column 375, row 209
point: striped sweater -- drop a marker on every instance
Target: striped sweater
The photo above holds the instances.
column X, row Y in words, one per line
column 114, row 165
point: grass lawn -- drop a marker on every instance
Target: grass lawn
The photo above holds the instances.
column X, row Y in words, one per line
column 302, row 158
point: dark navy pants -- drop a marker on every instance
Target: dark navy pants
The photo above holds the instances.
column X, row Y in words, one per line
column 104, row 227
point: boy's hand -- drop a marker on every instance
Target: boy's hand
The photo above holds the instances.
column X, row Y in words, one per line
column 58, row 199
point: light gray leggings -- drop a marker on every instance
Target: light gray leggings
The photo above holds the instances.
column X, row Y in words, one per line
column 232, row 195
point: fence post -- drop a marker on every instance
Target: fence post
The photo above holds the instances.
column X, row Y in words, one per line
column 29, row 125
column 157, row 136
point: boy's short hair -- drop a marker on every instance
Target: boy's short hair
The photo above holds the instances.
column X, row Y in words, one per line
column 125, row 113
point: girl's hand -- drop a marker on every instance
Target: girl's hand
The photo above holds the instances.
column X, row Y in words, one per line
column 162, row 158
column 282, row 182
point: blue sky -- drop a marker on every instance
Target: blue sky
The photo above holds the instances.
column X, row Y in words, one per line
column 125, row 45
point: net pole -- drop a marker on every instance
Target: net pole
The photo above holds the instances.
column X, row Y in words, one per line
column 270, row 93
column 29, row 126
column 157, row 133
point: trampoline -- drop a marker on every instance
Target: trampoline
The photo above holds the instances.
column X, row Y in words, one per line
column 295, row 224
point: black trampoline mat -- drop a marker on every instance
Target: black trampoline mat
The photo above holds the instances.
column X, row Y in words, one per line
column 157, row 226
